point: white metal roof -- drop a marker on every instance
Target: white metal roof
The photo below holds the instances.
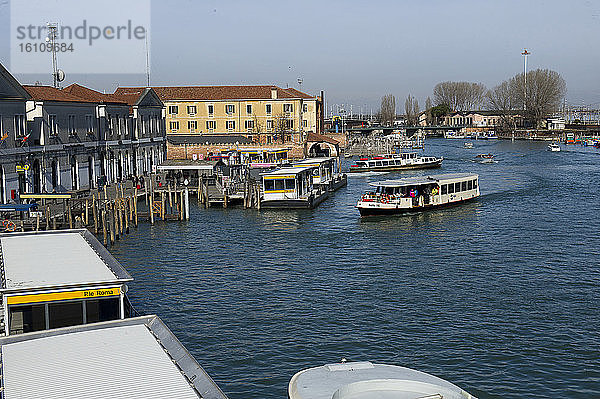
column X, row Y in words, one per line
column 313, row 160
column 288, row 171
column 408, row 181
column 52, row 259
column 365, row 380
column 118, row 362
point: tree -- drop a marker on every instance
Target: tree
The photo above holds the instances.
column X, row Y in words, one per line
column 411, row 109
column 387, row 112
column 460, row 96
column 500, row 99
column 428, row 114
column 438, row 112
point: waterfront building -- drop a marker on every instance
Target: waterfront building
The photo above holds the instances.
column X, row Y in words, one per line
column 482, row 119
column 58, row 140
column 265, row 114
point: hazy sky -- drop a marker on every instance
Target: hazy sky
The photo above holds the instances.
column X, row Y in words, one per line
column 358, row 51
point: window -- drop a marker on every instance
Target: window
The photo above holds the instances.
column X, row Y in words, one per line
column 52, row 125
column 385, row 163
column 464, row 186
column 211, row 125
column 174, row 126
column 290, row 184
column 288, row 108
column 191, row 109
column 20, row 125
column 470, row 185
column 249, row 125
column 89, row 123
column 229, row 109
column 451, row 188
column 24, row 319
column 289, row 124
column 269, row 185
column 304, row 107
column 72, row 124
column 475, row 183
column 378, row 163
column 173, row 109
column 444, row 189
column 192, row 126
column 249, row 109
column 304, row 123
column 230, row 125
column 211, row 110
column 279, row 184
column 457, row 187
column 101, row 310
column 65, row 314
column 269, row 124
column 268, row 109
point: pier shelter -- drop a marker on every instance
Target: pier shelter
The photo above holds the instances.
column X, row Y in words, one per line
column 57, row 279
column 136, row 358
column 291, row 188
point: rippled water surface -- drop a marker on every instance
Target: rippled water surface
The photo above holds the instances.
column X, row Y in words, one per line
column 499, row 296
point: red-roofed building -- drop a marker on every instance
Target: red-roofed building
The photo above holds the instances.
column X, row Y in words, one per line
column 267, row 114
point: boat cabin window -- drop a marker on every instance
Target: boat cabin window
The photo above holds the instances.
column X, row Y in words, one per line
column 361, row 163
column 101, row 310
column 457, row 187
column 475, row 183
column 279, row 184
column 470, row 185
column 451, row 188
column 269, row 185
column 371, row 164
column 444, row 189
column 65, row 314
column 377, row 163
column 385, row 163
column 398, row 162
column 464, row 186
column 29, row 318
column 290, row 184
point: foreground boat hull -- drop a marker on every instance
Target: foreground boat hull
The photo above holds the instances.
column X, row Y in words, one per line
column 430, row 165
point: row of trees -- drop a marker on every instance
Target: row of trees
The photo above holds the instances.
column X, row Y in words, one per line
column 535, row 96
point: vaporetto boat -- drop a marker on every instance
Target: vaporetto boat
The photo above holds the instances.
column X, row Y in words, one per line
column 402, row 161
column 418, row 193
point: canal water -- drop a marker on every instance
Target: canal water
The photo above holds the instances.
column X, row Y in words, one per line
column 499, row 296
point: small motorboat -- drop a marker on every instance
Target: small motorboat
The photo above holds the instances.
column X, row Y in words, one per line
column 468, row 145
column 484, row 156
column 553, row 147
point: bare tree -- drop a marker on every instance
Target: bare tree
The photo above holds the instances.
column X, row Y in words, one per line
column 500, row 99
column 428, row 115
column 460, row 96
column 387, row 112
column 411, row 109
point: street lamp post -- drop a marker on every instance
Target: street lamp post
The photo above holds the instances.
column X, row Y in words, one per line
column 525, row 53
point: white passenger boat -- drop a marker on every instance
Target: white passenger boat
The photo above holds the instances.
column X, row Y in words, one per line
column 291, row 188
column 366, row 380
column 418, row 193
column 402, row 161
column 553, row 147
column 326, row 173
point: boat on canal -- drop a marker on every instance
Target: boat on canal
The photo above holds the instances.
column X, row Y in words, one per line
column 401, row 161
column 292, row 188
column 418, row 193
column 327, row 172
column 366, row 380
column 553, row 147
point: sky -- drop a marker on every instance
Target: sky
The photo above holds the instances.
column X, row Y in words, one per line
column 356, row 51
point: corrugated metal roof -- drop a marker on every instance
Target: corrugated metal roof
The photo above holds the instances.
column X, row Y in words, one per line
column 54, row 259
column 422, row 179
column 118, row 362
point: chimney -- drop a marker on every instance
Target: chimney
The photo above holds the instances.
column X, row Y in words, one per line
column 273, row 93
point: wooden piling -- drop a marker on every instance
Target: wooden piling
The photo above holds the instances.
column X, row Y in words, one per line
column 47, row 217
column 103, row 215
column 69, row 214
column 86, row 212
column 37, row 222
column 135, row 201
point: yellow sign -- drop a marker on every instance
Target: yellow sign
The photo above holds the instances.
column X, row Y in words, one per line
column 280, row 177
column 62, row 296
column 45, row 196
column 22, row 168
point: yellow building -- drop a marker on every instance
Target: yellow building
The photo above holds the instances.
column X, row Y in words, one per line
column 266, row 114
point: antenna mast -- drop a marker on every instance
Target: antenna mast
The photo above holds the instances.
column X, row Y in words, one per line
column 52, row 35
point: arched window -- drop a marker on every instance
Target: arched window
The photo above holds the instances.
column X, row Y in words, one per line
column 55, row 175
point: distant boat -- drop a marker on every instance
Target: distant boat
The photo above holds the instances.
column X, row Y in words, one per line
column 468, row 145
column 485, row 158
column 406, row 160
column 553, row 147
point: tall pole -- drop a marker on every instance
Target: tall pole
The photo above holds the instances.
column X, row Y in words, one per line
column 525, row 53
column 52, row 35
